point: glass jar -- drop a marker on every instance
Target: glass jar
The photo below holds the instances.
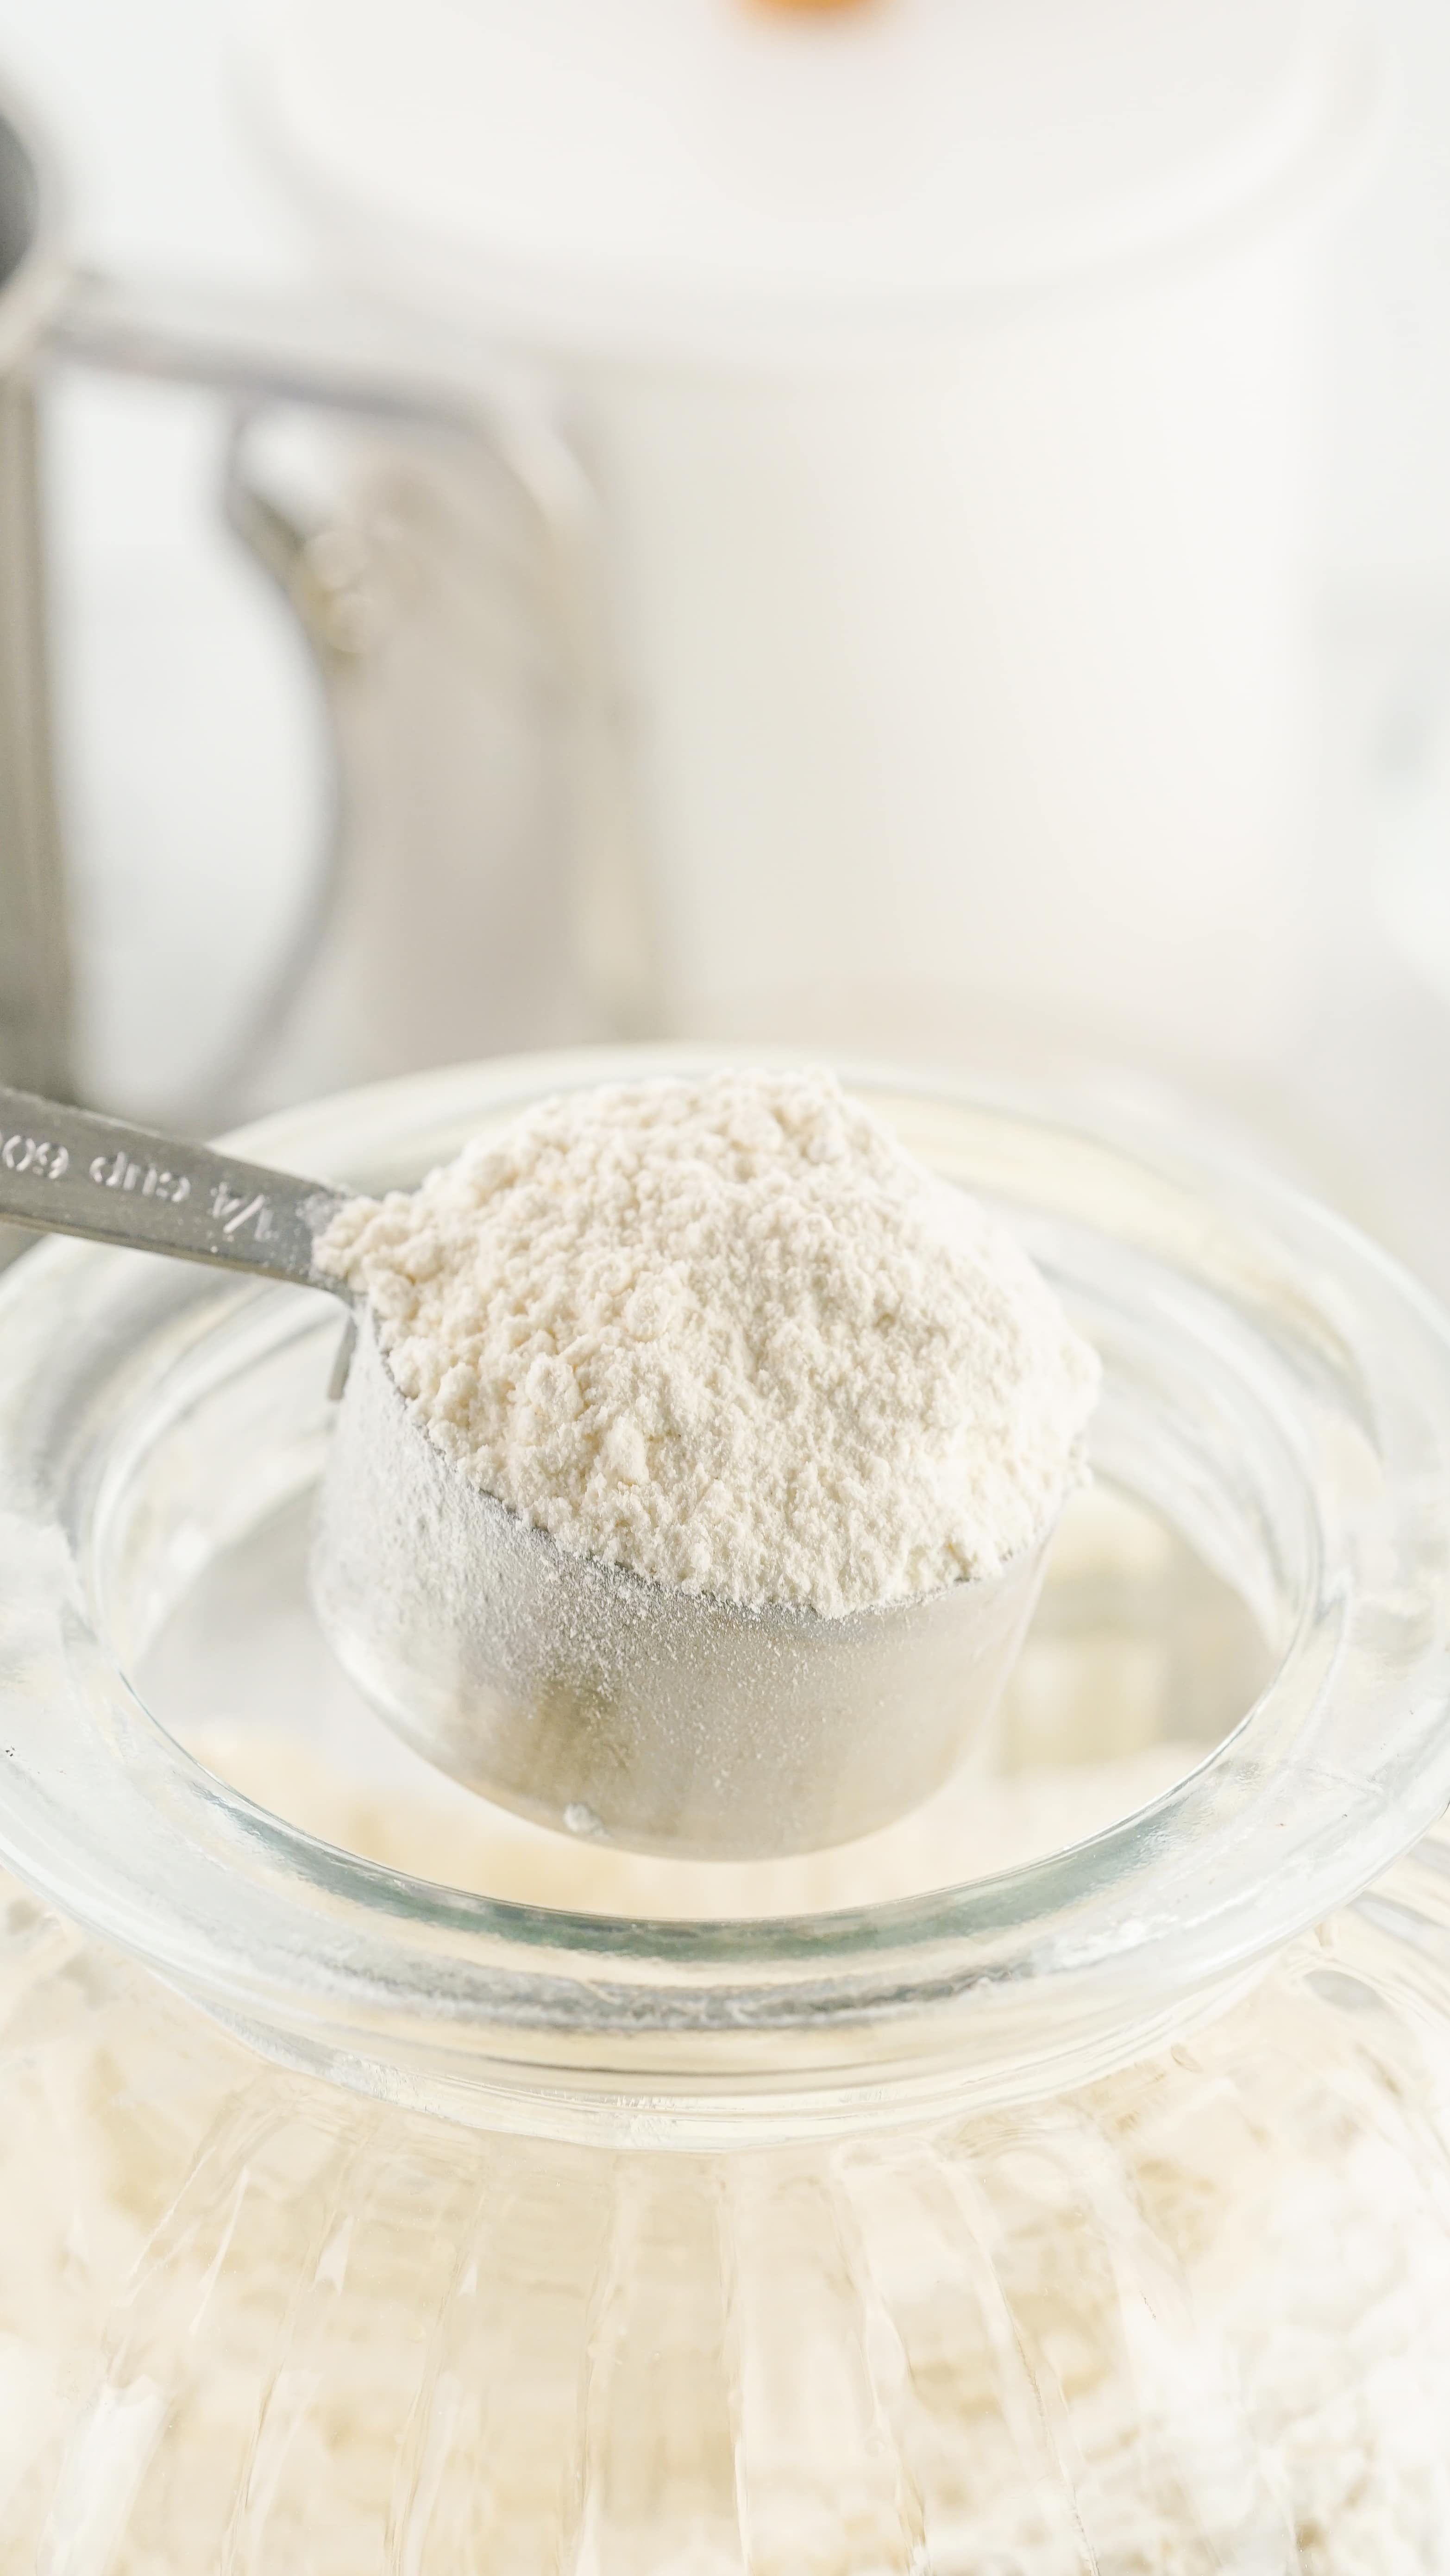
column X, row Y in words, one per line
column 390, row 2185
column 945, row 383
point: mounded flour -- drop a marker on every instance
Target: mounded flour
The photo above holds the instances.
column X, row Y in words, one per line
column 729, row 1333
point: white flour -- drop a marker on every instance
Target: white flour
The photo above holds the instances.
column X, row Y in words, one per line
column 729, row 1334
column 1192, row 2317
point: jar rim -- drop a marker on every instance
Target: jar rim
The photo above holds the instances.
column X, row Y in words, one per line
column 1338, row 1366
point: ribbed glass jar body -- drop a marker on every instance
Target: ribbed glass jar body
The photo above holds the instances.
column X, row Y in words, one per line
column 390, row 2186
column 1193, row 2316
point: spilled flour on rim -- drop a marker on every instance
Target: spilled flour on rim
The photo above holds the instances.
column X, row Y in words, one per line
column 727, row 1332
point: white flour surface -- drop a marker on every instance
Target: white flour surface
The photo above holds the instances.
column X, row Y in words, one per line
column 730, row 1334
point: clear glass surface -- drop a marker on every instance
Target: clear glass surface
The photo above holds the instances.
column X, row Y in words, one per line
column 1059, row 2180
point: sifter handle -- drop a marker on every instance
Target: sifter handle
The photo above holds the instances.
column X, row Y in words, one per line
column 67, row 1171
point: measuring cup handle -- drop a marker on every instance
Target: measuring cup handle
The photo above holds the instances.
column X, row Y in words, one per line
column 67, row 1171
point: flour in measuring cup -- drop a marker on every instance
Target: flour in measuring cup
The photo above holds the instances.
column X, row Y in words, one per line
column 727, row 1332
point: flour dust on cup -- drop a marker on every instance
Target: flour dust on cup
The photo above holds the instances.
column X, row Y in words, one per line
column 696, row 1468
column 577, row 1691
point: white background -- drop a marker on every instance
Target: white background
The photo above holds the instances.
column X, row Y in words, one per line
column 189, row 770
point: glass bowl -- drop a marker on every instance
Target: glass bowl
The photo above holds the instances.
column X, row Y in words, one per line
column 393, row 2185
